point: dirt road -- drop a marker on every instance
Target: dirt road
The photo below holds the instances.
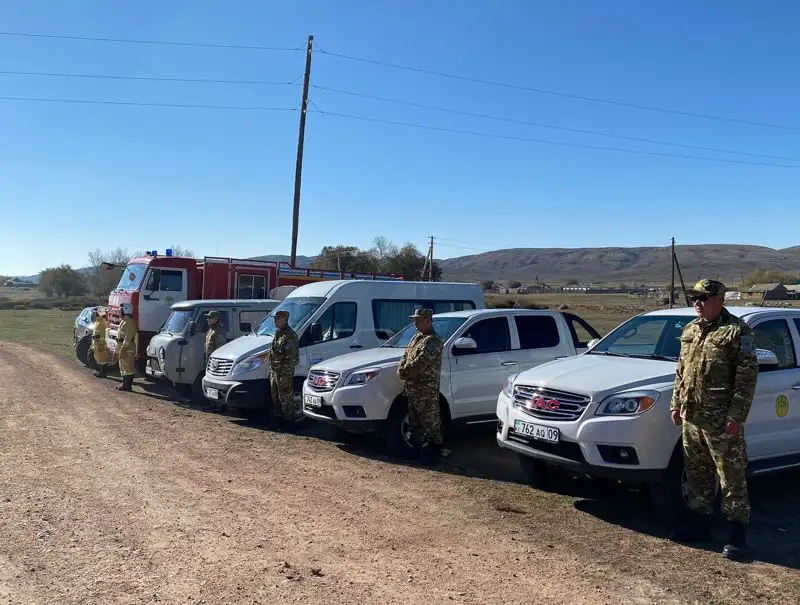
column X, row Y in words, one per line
column 108, row 497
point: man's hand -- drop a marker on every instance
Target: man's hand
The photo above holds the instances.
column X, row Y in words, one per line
column 732, row 428
column 676, row 417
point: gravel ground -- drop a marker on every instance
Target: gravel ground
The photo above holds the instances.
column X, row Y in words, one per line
column 108, row 497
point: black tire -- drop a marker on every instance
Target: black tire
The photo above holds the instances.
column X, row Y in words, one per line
column 396, row 434
column 669, row 498
column 82, row 349
column 540, row 474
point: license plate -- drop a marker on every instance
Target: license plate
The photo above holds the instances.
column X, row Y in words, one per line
column 537, row 431
column 312, row 401
column 148, row 370
column 212, row 393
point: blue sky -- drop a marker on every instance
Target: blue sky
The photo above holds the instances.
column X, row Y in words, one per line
column 77, row 177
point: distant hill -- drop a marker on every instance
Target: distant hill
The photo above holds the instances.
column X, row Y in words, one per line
column 599, row 265
column 619, row 265
column 302, row 261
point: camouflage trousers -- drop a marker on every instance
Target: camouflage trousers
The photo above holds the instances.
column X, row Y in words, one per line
column 709, row 455
column 281, row 387
column 424, row 416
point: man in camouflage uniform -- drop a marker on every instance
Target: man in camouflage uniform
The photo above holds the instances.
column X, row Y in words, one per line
column 215, row 338
column 420, row 369
column 284, row 357
column 714, row 386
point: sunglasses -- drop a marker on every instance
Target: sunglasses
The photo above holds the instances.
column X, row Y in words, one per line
column 701, row 298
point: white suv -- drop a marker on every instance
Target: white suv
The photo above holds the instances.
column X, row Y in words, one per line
column 362, row 392
column 606, row 412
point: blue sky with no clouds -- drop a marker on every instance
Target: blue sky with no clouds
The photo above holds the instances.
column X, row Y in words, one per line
column 74, row 177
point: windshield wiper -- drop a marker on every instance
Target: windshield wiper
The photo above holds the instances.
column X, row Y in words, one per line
column 609, row 353
column 657, row 357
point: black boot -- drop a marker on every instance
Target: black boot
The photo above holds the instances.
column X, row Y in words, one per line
column 430, row 455
column 101, row 371
column 127, row 383
column 694, row 527
column 736, row 547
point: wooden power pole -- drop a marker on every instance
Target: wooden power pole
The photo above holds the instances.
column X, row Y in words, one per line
column 298, row 170
column 672, row 281
column 427, row 268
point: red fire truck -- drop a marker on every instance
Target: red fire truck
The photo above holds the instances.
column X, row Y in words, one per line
column 153, row 283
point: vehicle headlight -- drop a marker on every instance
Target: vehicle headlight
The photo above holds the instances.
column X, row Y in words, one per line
column 628, row 404
column 508, row 386
column 162, row 353
column 251, row 363
column 361, row 377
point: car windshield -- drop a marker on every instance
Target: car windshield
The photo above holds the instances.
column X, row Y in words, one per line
column 131, row 277
column 443, row 326
column 177, row 321
column 299, row 308
column 646, row 336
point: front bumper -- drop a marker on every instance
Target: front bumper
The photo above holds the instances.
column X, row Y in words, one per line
column 632, row 450
column 356, row 409
column 248, row 395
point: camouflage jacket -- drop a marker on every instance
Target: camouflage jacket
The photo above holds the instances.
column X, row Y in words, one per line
column 421, row 363
column 717, row 372
column 285, row 354
column 215, row 338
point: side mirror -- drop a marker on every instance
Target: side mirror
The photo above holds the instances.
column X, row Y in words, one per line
column 315, row 333
column 767, row 360
column 592, row 342
column 464, row 345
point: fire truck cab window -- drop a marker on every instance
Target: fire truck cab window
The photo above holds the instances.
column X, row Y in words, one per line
column 251, row 287
column 165, row 280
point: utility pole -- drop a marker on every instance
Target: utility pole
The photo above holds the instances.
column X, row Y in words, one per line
column 427, row 268
column 298, row 170
column 672, row 281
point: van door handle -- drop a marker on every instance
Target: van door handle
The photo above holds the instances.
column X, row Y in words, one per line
column 508, row 363
column 356, row 347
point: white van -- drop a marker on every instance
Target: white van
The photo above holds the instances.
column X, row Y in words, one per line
column 331, row 318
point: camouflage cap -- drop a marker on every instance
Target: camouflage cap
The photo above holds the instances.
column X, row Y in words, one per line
column 213, row 314
column 707, row 287
column 281, row 313
column 422, row 313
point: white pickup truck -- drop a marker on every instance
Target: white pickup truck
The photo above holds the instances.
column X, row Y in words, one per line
column 606, row 413
column 362, row 392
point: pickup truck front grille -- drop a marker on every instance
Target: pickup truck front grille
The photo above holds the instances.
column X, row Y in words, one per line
column 218, row 366
column 321, row 381
column 549, row 404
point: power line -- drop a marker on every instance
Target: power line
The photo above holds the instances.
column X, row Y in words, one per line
column 153, row 42
column 145, row 104
column 548, row 142
column 557, row 93
column 551, row 126
column 145, row 78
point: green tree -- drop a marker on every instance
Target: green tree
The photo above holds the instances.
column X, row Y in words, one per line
column 62, row 281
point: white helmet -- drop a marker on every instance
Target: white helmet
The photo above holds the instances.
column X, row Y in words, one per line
column 126, row 309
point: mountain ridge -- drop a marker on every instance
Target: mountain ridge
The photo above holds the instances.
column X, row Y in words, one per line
column 610, row 265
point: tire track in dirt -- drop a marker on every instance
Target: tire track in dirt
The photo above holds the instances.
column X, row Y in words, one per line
column 116, row 498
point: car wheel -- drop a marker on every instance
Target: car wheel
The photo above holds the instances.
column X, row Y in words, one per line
column 82, row 349
column 540, row 474
column 670, row 498
column 398, row 435
column 297, row 400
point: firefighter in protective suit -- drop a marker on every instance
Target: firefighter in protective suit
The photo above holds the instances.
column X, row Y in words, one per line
column 99, row 346
column 126, row 347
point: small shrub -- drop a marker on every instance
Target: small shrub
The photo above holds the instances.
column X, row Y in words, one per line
column 563, row 307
